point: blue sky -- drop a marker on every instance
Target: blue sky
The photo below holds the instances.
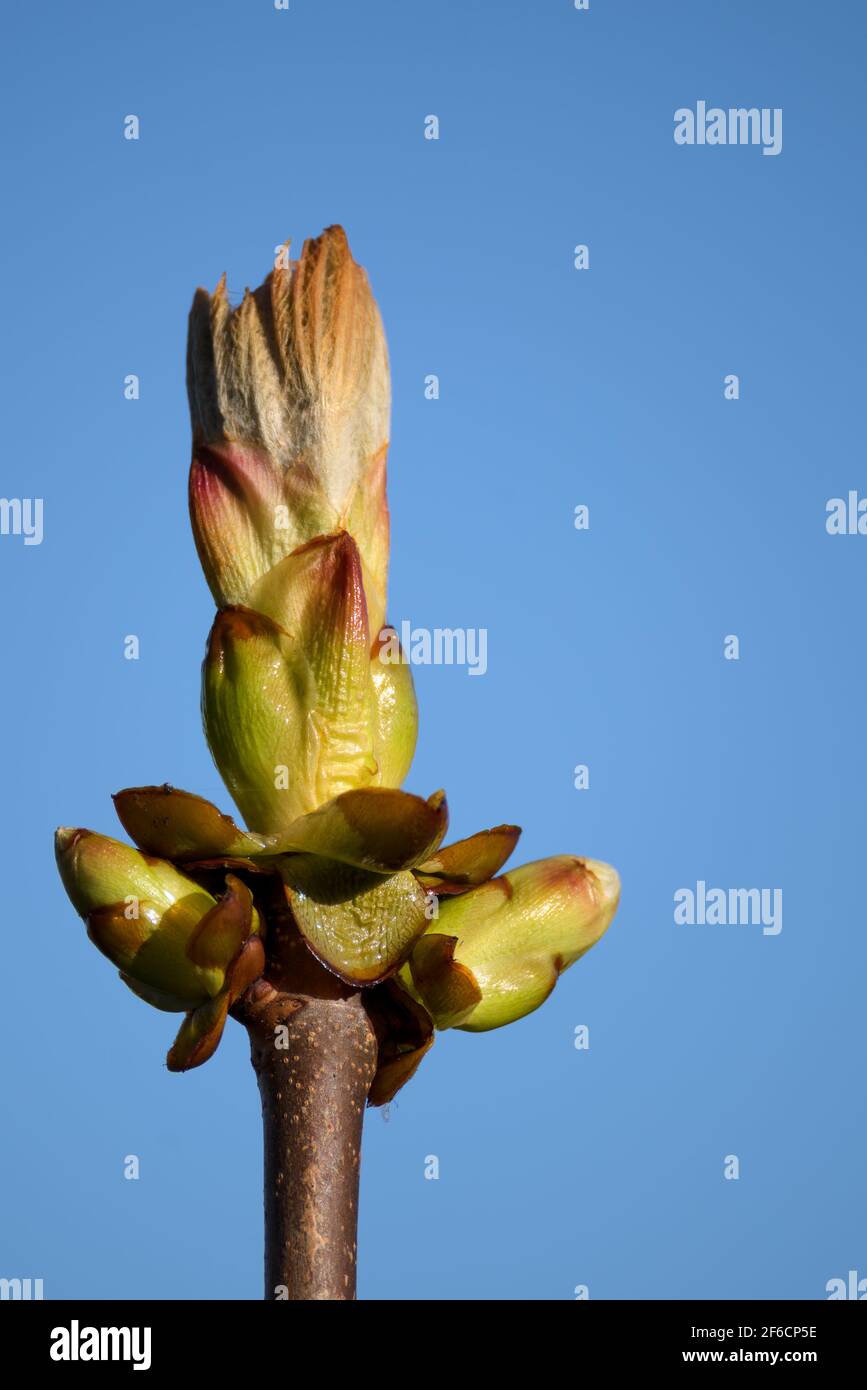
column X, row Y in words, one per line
column 558, row 387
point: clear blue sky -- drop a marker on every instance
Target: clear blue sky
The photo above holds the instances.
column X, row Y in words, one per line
column 558, row 387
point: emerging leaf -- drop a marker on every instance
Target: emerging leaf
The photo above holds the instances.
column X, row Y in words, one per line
column 365, row 938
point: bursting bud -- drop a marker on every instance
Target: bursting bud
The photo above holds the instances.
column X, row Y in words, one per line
column 172, row 941
column 495, row 953
column 290, row 399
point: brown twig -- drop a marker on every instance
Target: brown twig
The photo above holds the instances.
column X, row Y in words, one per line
column 314, row 1051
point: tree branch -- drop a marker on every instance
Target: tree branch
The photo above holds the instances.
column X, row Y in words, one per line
column 315, row 1059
